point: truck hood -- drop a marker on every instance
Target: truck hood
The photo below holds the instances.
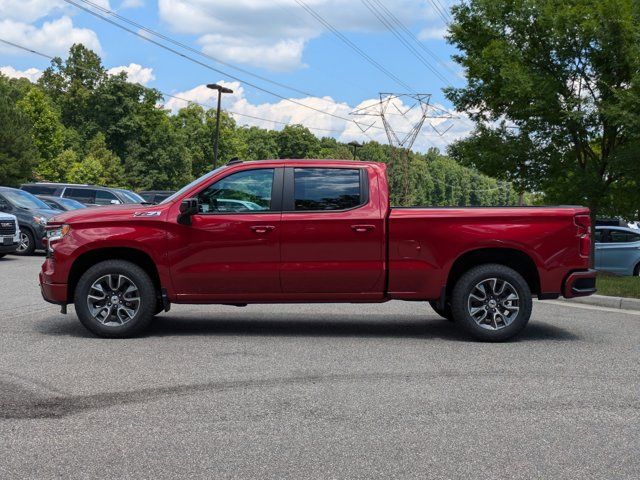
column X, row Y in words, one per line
column 109, row 213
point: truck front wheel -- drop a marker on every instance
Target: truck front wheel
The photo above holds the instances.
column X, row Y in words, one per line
column 491, row 302
column 115, row 299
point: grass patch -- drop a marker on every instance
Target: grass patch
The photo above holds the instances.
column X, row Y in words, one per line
column 617, row 286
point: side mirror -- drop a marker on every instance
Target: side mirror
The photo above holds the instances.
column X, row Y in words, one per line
column 188, row 207
column 116, row 202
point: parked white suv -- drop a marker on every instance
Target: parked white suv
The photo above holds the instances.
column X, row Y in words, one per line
column 9, row 234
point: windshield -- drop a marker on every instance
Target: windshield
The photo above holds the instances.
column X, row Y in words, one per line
column 132, row 197
column 23, row 199
column 191, row 185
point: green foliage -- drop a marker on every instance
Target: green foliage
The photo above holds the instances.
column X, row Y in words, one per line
column 566, row 75
column 79, row 124
column 296, row 141
column 18, row 150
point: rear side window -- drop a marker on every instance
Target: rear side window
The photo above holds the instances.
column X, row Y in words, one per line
column 327, row 188
column 40, row 189
column 82, row 195
column 104, row 197
column 620, row 236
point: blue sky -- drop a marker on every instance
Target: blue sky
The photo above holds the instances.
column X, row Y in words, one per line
column 277, row 39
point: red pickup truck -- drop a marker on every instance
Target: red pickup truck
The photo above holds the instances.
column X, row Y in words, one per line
column 312, row 231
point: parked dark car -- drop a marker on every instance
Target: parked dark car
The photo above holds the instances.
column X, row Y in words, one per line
column 59, row 203
column 32, row 214
column 156, row 196
column 87, row 194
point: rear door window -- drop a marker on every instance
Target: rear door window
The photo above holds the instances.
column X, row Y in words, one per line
column 621, row 236
column 82, row 195
column 40, row 189
column 104, row 197
column 325, row 189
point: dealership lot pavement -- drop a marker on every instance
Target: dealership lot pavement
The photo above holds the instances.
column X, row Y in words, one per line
column 314, row 391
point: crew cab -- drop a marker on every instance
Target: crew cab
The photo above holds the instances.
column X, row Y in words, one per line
column 312, row 231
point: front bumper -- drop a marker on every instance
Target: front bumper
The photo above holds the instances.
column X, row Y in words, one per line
column 8, row 248
column 52, row 292
column 580, row 284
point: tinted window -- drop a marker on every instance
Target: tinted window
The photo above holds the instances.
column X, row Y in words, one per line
column 326, row 188
column 620, row 236
column 72, row 204
column 239, row 192
column 104, row 197
column 84, row 195
column 40, row 189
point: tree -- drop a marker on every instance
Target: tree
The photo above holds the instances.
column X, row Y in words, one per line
column 566, row 75
column 296, row 141
column 259, row 144
column 18, row 150
column 48, row 133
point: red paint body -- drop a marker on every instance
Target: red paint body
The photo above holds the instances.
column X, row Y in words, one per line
column 372, row 253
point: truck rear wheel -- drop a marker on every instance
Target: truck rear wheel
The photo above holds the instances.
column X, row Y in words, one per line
column 115, row 299
column 492, row 302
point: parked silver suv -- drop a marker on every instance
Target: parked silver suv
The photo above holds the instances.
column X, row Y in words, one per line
column 89, row 195
column 9, row 234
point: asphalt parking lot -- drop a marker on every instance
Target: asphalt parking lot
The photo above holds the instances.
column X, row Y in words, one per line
column 314, row 391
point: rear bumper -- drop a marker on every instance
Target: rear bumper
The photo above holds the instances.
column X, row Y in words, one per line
column 580, row 284
column 53, row 292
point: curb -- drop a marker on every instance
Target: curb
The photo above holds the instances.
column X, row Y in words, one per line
column 621, row 303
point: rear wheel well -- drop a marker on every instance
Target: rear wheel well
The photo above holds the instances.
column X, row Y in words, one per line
column 509, row 257
column 88, row 259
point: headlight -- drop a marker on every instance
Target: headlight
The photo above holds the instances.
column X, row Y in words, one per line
column 40, row 220
column 57, row 234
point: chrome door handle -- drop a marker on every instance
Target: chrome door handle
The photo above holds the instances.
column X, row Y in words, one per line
column 362, row 228
column 262, row 228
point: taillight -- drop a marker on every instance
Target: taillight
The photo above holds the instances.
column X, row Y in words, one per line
column 584, row 233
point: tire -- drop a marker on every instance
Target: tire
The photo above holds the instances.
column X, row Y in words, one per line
column 446, row 313
column 27, row 243
column 636, row 270
column 115, row 299
column 506, row 305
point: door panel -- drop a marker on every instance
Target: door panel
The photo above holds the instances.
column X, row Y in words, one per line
column 227, row 254
column 328, row 251
column 232, row 247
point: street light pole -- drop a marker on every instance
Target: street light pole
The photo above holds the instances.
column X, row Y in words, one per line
column 355, row 146
column 221, row 90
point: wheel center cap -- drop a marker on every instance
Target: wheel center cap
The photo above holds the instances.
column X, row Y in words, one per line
column 493, row 303
column 115, row 299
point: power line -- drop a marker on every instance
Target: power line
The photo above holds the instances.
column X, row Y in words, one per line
column 395, row 32
column 410, row 34
column 191, row 49
column 204, row 105
column 352, row 45
column 205, row 65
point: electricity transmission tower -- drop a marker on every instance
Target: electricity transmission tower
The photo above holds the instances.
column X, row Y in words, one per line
column 403, row 115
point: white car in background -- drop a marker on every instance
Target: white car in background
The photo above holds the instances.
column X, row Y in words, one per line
column 9, row 234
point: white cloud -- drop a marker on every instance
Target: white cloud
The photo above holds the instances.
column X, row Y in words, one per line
column 433, row 33
column 135, row 73
column 53, row 38
column 325, row 125
column 32, row 10
column 273, row 33
column 132, row 4
column 33, row 74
